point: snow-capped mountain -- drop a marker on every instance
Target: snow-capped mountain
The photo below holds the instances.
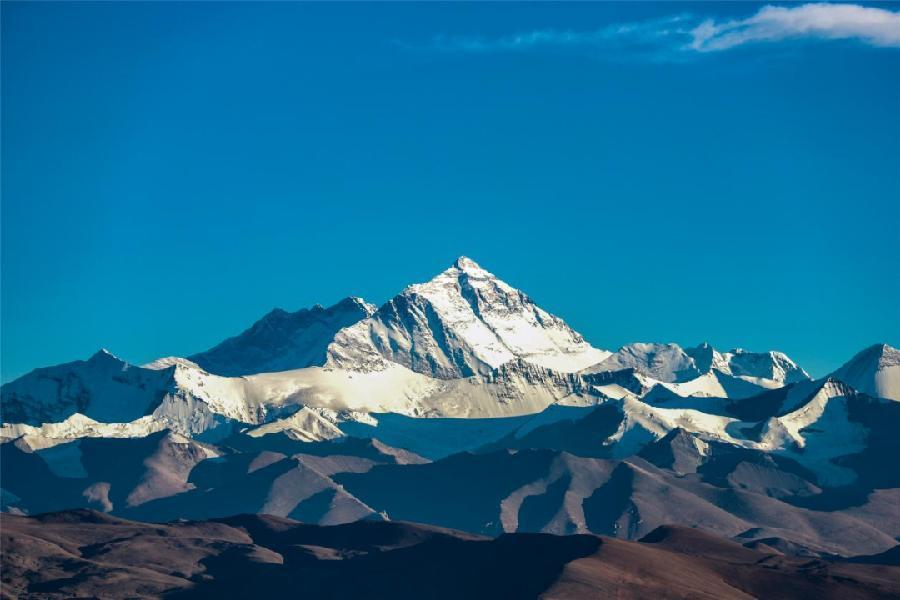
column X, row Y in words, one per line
column 770, row 366
column 464, row 345
column 101, row 387
column 463, row 322
column 670, row 363
column 663, row 362
column 874, row 371
column 282, row 341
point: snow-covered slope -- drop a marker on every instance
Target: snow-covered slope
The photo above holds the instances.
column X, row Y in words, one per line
column 283, row 341
column 306, row 425
column 462, row 322
column 516, row 388
column 819, row 430
column 874, row 371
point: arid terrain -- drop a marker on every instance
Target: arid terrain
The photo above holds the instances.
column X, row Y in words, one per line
column 83, row 553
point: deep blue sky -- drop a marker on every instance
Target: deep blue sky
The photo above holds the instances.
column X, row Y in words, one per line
column 170, row 172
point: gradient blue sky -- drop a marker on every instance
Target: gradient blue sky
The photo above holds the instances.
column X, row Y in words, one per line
column 170, row 172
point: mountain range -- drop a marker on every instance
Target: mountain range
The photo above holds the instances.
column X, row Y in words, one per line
column 461, row 404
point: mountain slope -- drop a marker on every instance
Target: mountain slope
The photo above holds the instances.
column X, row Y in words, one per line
column 166, row 476
column 462, row 322
column 680, row 562
column 107, row 474
column 283, row 341
column 734, row 495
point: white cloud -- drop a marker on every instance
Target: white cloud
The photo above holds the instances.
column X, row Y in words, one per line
column 683, row 35
column 874, row 26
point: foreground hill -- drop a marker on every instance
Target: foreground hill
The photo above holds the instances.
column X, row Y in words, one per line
column 555, row 479
column 88, row 554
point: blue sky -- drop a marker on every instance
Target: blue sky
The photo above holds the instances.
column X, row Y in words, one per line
column 649, row 172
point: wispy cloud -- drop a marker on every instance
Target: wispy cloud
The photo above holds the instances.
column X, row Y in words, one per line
column 679, row 36
column 623, row 34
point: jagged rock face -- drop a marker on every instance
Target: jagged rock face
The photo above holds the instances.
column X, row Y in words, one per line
column 874, row 371
column 536, row 375
column 671, row 363
column 282, row 341
column 463, row 322
column 518, row 379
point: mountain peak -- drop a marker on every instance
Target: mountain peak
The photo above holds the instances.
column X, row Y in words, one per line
column 462, row 269
column 464, row 274
column 104, row 356
column 874, row 354
column 353, row 302
column 463, row 321
column 874, row 371
column 464, row 263
column 885, row 354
